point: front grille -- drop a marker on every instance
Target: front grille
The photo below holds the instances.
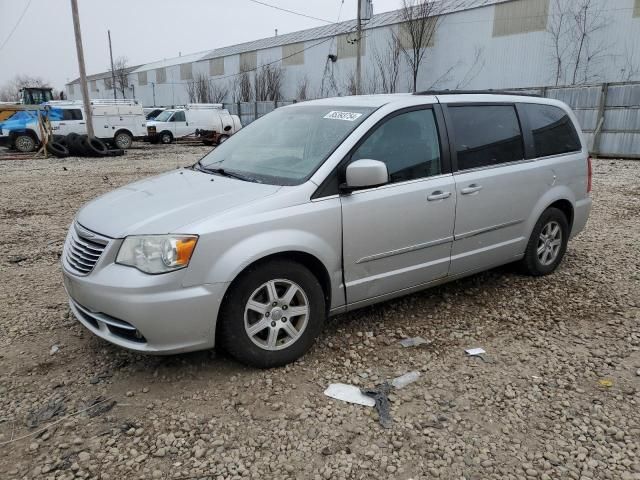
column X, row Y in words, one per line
column 81, row 252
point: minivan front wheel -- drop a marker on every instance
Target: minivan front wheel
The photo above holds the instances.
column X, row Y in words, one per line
column 547, row 244
column 272, row 314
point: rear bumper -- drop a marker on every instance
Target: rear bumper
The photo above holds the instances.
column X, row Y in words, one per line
column 581, row 212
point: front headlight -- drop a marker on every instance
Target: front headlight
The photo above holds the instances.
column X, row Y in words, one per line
column 157, row 253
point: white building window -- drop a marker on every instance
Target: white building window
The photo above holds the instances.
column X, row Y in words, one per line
column 161, row 75
column 520, row 16
column 348, row 45
column 142, row 78
column 186, row 71
column 93, row 85
column 216, row 66
column 293, row 54
column 108, row 84
column 248, row 61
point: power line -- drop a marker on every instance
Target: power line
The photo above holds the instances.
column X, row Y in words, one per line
column 16, row 25
column 290, row 11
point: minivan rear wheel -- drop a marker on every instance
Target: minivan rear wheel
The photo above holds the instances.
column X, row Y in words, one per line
column 547, row 244
column 272, row 314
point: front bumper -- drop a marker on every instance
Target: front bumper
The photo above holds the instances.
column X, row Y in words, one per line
column 146, row 313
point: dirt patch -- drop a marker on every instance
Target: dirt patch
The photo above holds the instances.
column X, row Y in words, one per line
column 534, row 409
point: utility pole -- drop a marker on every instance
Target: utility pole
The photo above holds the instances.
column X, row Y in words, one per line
column 83, row 72
column 113, row 73
column 359, row 51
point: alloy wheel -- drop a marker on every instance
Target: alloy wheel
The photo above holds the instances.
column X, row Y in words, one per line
column 276, row 314
column 549, row 243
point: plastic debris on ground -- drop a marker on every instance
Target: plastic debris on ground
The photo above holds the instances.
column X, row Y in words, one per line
column 404, row 380
column 413, row 342
column 380, row 395
column 54, row 350
column 349, row 393
column 475, row 352
column 605, row 382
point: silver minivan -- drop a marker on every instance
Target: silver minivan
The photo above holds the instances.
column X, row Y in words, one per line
column 323, row 207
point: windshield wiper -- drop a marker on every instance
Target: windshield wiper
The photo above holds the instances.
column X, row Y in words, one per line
column 227, row 173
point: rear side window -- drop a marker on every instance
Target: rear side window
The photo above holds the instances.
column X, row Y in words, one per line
column 486, row 135
column 71, row 114
column 553, row 130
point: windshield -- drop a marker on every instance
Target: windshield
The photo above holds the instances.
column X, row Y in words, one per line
column 286, row 146
column 164, row 116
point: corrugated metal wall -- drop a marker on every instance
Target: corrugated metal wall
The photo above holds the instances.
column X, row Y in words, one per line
column 609, row 115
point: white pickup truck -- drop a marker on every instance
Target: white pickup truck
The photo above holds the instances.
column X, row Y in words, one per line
column 115, row 121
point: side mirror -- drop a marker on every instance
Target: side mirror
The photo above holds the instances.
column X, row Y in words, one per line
column 365, row 174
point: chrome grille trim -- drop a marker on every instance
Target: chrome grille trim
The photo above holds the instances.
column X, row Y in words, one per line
column 81, row 253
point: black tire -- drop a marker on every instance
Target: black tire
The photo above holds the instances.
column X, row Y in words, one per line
column 222, row 139
column 24, row 142
column 117, row 152
column 236, row 340
column 57, row 149
column 74, row 144
column 123, row 140
column 538, row 259
column 165, row 137
column 94, row 147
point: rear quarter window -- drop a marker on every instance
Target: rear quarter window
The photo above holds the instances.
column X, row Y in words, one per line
column 552, row 130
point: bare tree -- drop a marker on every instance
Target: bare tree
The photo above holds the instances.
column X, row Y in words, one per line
column 302, row 91
column 350, row 83
column 217, row 93
column 268, row 83
column 202, row 90
column 577, row 45
column 387, row 64
column 420, row 20
column 244, row 88
column 558, row 29
column 588, row 20
column 191, row 91
column 477, row 65
column 121, row 73
column 10, row 91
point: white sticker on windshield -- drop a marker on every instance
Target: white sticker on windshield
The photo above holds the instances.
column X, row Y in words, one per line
column 348, row 116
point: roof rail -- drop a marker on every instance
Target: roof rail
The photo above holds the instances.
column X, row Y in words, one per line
column 477, row 92
column 195, row 106
column 111, row 101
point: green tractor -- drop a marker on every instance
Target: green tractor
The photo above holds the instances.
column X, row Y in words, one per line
column 35, row 95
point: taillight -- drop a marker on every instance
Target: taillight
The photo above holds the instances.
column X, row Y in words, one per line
column 589, row 174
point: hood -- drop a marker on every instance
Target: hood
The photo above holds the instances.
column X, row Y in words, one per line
column 167, row 202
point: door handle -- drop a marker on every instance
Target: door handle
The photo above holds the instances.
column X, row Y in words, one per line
column 438, row 195
column 473, row 188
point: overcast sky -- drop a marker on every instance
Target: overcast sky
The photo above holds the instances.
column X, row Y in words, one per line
column 144, row 30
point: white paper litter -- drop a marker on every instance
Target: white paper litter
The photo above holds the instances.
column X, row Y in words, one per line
column 404, row 380
column 349, row 393
column 54, row 350
column 475, row 351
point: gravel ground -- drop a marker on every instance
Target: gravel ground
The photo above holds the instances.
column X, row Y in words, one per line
column 556, row 396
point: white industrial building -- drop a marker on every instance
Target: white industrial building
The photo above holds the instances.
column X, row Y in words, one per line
column 479, row 44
